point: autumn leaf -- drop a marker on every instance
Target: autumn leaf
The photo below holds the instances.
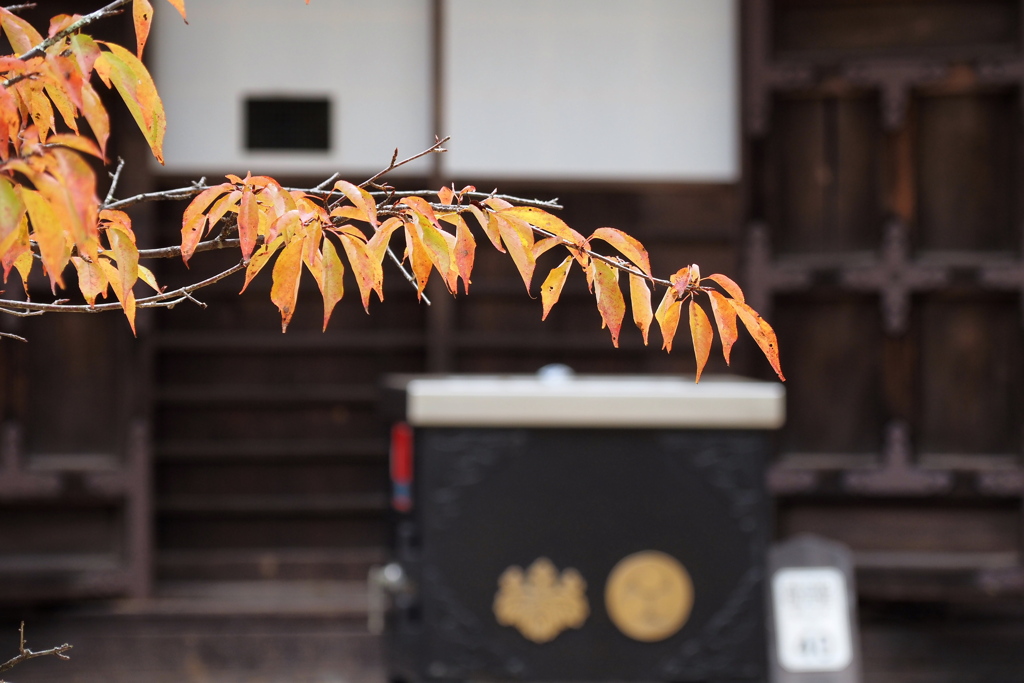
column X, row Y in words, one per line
column 180, row 6
column 517, row 237
column 702, row 334
column 12, row 209
column 91, row 280
column 248, row 222
column 96, row 115
column 193, row 221
column 20, row 33
column 419, row 258
column 361, row 200
column 48, row 232
column 626, row 245
column 331, row 280
column 667, row 315
column 726, row 283
column 127, row 256
column 551, row 288
column 132, row 80
column 126, row 297
column 368, row 272
column 725, row 319
column 260, row 259
column 488, row 225
column 142, row 13
column 285, row 290
column 609, row 298
column 762, row 333
column 640, row 302
column 465, row 247
column 16, row 247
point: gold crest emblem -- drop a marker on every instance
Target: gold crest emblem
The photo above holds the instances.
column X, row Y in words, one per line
column 540, row 603
column 649, row 596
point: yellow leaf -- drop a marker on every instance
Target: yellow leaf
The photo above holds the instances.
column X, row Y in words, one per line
column 609, row 298
column 285, row 290
column 146, row 275
column 136, row 87
column 332, row 286
column 19, row 32
column 640, row 302
column 91, row 280
column 259, row 259
column 728, row 285
column 551, row 289
column 419, row 258
column 517, row 237
column 142, row 13
column 361, row 199
column 626, row 245
column 368, row 271
column 127, row 256
column 48, row 232
column 700, row 331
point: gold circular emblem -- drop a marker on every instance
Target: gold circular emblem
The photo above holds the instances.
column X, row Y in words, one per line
column 649, row 596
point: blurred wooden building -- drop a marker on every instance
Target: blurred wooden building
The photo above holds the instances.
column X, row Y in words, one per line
column 859, row 174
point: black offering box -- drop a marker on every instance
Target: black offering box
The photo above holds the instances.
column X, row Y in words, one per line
column 560, row 527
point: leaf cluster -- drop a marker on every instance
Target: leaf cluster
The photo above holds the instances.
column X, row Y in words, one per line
column 51, row 119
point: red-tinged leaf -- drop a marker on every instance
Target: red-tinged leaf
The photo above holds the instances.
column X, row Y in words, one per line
column 702, row 334
column 331, row 282
column 610, row 302
column 146, row 275
column 625, row 245
column 496, row 203
column 12, row 209
column 378, row 244
column 368, row 271
column 127, row 298
column 422, row 207
column 725, row 320
column 445, row 195
column 551, row 288
column 76, row 142
column 10, row 122
column 667, row 315
column 288, row 225
column 119, row 219
column 518, row 240
column 86, row 52
column 193, row 221
column 285, row 290
column 361, row 199
column 136, row 87
column 70, row 188
column 48, row 232
column 40, row 110
column 489, row 226
column 259, row 259
column 228, row 202
column 549, row 223
column 640, row 302
column 437, row 246
column 180, row 6
column 465, row 251
column 91, row 280
column 350, row 212
column 762, row 333
column 127, row 256
column 96, row 115
column 20, row 33
column 59, row 23
column 248, row 222
column 419, row 257
column 726, row 283
column 680, row 281
column 142, row 13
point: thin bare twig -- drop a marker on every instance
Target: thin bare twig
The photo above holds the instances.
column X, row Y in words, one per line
column 8, row 335
column 435, row 148
column 162, row 300
column 24, row 653
column 110, row 10
column 114, row 177
column 18, row 8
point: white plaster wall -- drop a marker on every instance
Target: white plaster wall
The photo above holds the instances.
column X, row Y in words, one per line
column 592, row 89
column 370, row 56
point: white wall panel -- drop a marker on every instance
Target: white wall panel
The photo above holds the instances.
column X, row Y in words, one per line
column 589, row 89
column 371, row 57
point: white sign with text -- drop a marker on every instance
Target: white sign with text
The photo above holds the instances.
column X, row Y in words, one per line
column 812, row 619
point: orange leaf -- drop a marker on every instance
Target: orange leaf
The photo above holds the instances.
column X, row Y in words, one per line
column 728, row 285
column 70, row 188
column 19, row 32
column 228, row 202
column 551, row 288
column 626, row 245
column 667, row 316
column 331, row 280
column 609, row 298
column 91, row 280
column 136, row 87
column 96, row 114
column 700, row 330
column 445, row 195
column 127, row 256
column 12, row 209
column 552, row 224
column 489, row 226
column 434, row 242
column 248, row 222
column 368, row 271
column 180, row 6
column 418, row 256
column 142, row 13
column 193, row 221
column 361, row 199
column 127, row 299
column 14, row 248
column 762, row 333
column 640, row 301
column 86, row 52
column 48, row 232
column 76, row 142
column 725, row 319
column 285, row 290
column 259, row 259
column 63, row 103
column 378, row 244
column 465, row 247
column 518, row 239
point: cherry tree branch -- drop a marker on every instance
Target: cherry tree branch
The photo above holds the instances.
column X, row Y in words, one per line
column 110, row 10
column 25, row 654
